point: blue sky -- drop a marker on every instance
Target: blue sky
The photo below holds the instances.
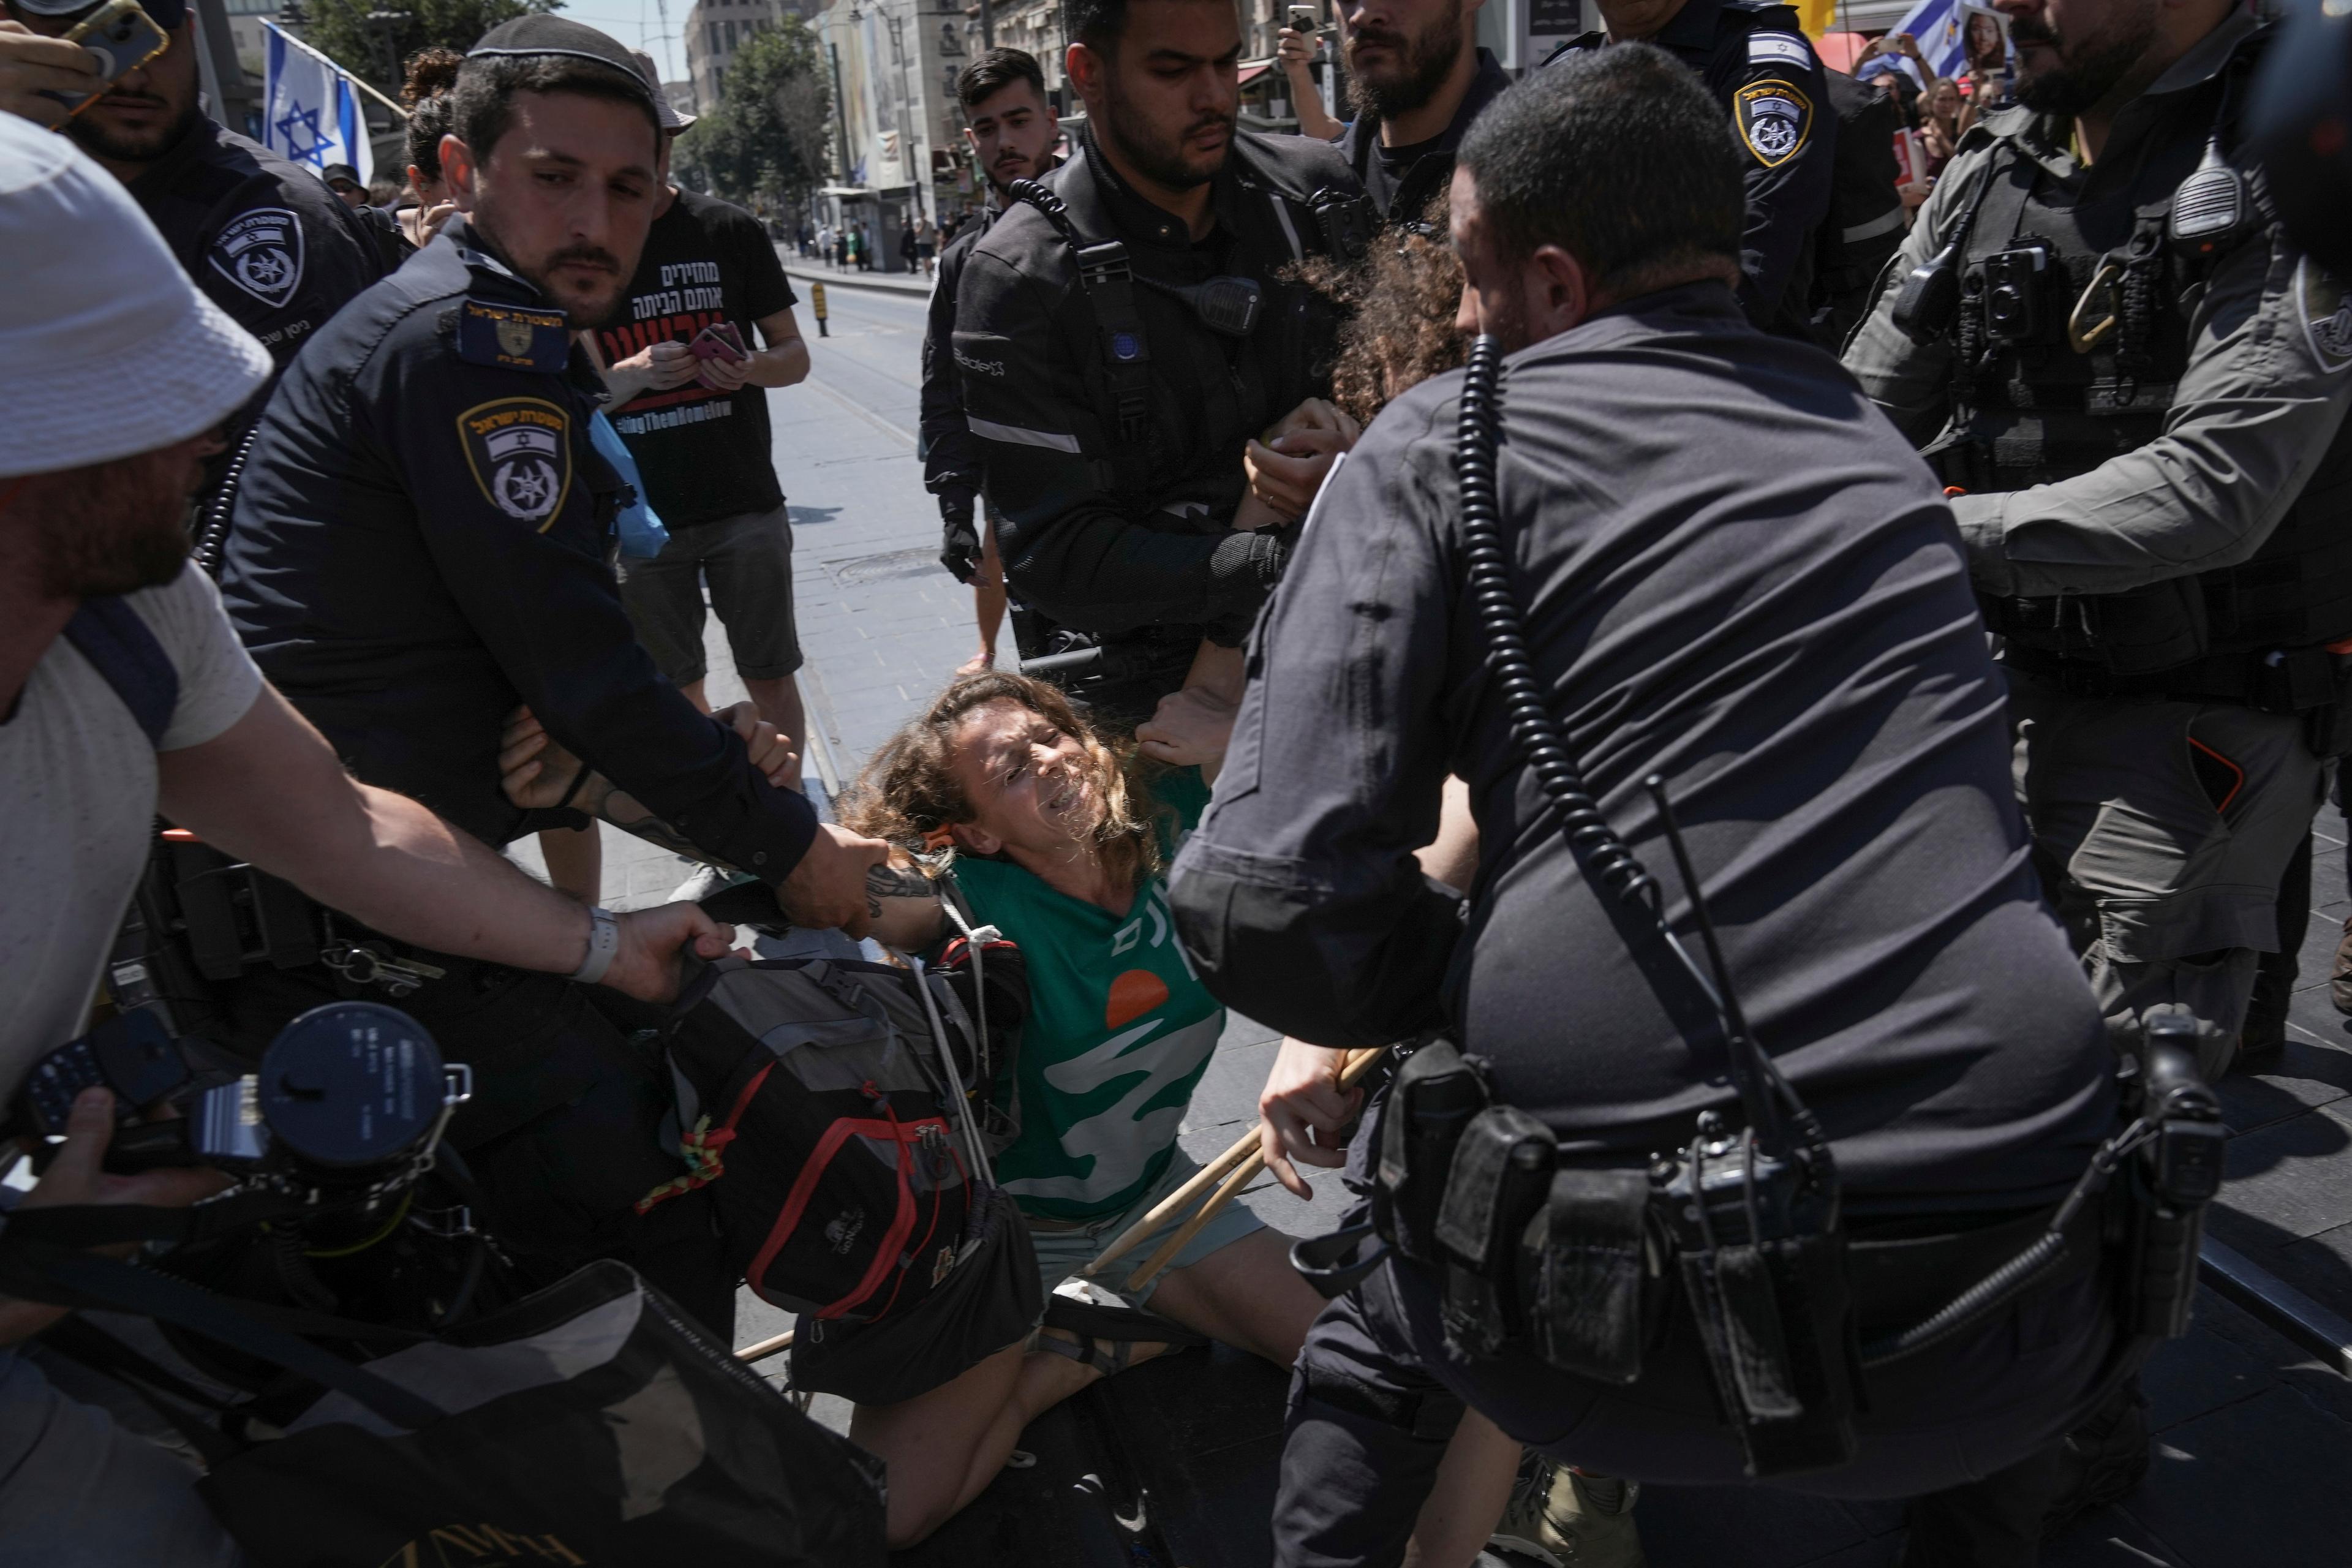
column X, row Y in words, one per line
column 636, row 23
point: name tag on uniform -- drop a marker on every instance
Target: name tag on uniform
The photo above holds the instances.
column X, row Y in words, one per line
column 512, row 338
column 1778, row 48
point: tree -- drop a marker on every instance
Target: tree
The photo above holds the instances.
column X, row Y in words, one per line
column 372, row 37
column 767, row 134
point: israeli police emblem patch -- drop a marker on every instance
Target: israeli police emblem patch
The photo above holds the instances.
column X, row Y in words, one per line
column 1773, row 118
column 262, row 252
column 513, row 338
column 520, row 452
column 2327, row 312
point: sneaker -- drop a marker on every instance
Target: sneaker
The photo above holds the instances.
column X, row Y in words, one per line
column 1562, row 1518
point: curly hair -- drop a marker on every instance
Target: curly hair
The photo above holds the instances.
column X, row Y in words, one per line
column 426, row 94
column 909, row 793
column 1401, row 302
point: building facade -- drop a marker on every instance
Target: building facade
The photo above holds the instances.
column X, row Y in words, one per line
column 715, row 30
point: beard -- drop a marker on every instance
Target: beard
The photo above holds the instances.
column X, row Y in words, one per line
column 130, row 146
column 585, row 310
column 1162, row 160
column 2090, row 68
column 112, row 528
column 1421, row 67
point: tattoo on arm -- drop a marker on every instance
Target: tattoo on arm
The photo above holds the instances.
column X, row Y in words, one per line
column 624, row 813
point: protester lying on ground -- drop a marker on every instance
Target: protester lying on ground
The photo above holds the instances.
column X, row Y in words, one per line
column 1060, row 841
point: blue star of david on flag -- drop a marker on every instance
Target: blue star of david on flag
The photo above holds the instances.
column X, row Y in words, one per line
column 312, row 111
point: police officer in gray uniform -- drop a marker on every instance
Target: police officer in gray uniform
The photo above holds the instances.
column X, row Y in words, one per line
column 1729, row 573
column 1755, row 60
column 2136, row 389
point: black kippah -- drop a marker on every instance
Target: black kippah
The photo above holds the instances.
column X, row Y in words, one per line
column 541, row 33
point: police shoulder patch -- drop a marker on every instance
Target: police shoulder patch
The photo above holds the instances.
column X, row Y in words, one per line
column 1774, row 118
column 512, row 338
column 260, row 251
column 1778, row 48
column 2325, row 311
column 521, row 451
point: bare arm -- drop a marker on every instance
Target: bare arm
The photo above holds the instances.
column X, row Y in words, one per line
column 1295, row 50
column 270, row 790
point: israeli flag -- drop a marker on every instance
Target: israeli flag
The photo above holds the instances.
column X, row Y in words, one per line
column 310, row 112
column 1940, row 27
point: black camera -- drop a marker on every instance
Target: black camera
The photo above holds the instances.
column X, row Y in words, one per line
column 349, row 1098
column 2012, row 285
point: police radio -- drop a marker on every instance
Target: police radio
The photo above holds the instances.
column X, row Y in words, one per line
column 1929, row 299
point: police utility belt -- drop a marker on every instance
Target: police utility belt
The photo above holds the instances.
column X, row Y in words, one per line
column 1741, row 1230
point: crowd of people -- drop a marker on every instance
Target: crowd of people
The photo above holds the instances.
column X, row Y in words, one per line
column 1462, row 568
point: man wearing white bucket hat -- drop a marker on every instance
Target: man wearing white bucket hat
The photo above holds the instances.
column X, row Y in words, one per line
column 123, row 692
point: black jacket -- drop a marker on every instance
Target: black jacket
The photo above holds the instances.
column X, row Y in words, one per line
column 1754, row 57
column 268, row 241
column 1082, row 545
column 1433, row 169
column 952, row 466
column 1734, row 574
column 419, row 545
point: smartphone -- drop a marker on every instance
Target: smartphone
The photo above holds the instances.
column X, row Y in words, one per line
column 1304, row 20
column 718, row 341
column 121, row 37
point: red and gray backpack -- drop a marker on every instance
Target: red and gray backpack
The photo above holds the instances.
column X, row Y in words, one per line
column 824, row 1104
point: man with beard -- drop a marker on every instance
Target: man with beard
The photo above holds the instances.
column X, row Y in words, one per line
column 271, row 244
column 1732, row 577
column 123, row 692
column 1012, row 130
column 2139, row 401
column 1754, row 57
column 1124, row 355
column 1420, row 78
column 419, row 546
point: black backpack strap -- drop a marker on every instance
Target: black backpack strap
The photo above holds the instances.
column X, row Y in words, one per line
column 109, row 634
column 1108, row 282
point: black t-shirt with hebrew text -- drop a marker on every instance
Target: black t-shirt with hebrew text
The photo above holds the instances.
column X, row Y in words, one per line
column 704, row 455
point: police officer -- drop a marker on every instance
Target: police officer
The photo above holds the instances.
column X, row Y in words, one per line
column 1012, row 129
column 1755, row 59
column 1114, row 403
column 1416, row 67
column 419, row 545
column 266, row 239
column 1728, row 573
column 2138, row 389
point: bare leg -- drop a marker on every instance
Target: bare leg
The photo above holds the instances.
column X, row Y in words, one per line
column 575, row 861
column 779, row 702
column 1466, row 1503
column 987, row 602
column 692, row 692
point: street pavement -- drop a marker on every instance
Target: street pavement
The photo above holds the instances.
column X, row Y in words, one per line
column 2253, row 1430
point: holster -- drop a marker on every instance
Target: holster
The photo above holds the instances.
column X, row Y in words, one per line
column 1436, row 1092
column 1592, row 1285
column 1502, row 1172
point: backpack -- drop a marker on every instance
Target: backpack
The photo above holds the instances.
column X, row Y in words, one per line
column 823, row 1103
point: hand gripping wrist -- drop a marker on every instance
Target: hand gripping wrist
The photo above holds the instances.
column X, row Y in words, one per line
column 604, row 942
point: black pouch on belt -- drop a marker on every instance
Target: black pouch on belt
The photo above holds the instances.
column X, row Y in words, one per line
column 1502, row 1168
column 1777, row 1322
column 1435, row 1094
column 1588, row 1275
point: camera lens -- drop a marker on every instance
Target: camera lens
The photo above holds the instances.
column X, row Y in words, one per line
column 352, row 1089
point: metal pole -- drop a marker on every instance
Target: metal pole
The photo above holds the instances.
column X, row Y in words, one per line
column 218, row 70
column 987, row 26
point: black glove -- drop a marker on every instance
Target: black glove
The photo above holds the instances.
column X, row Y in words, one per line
column 960, row 542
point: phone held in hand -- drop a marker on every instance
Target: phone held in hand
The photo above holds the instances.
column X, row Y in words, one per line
column 1303, row 20
column 121, row 37
column 718, row 341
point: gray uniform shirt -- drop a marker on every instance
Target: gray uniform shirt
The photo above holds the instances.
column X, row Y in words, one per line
column 1736, row 575
column 2263, row 398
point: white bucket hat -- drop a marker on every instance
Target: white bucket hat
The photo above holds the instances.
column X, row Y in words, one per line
column 106, row 349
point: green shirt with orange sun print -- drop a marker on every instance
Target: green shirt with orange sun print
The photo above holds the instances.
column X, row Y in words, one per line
column 1119, row 1031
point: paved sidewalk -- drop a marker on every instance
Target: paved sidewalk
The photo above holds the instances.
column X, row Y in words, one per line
column 804, row 273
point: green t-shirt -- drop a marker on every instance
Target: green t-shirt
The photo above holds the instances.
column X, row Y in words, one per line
column 1119, row 1032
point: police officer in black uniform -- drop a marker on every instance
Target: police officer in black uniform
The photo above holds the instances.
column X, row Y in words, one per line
column 420, row 544
column 266, row 239
column 1119, row 356
column 1696, row 554
column 1755, row 59
column 1012, row 129
column 1416, row 67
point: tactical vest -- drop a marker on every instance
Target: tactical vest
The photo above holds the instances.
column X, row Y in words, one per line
column 2072, row 336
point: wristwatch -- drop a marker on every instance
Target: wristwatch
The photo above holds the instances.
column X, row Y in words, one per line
column 603, row 941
